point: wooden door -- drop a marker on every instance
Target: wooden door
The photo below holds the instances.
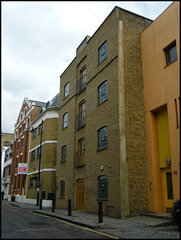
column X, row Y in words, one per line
column 80, row 194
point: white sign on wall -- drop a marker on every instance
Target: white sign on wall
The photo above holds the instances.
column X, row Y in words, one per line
column 22, row 168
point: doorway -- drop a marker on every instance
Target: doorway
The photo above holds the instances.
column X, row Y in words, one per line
column 80, row 194
column 167, row 190
column 164, row 155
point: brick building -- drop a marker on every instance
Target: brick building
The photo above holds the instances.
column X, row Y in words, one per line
column 161, row 72
column 29, row 111
column 42, row 154
column 101, row 149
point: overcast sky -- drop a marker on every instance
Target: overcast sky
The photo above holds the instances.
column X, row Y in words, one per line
column 39, row 40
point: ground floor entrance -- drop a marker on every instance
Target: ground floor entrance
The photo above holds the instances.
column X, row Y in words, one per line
column 165, row 162
column 80, row 194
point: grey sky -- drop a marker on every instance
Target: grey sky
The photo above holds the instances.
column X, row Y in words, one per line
column 39, row 40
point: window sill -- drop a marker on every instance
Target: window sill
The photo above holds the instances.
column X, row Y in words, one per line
column 170, row 63
column 102, row 148
column 63, row 162
column 102, row 61
column 102, row 102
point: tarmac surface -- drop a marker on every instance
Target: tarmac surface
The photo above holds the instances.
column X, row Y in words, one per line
column 147, row 226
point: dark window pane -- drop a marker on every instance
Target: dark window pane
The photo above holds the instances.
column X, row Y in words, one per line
column 103, row 92
column 102, row 52
column 102, row 138
column 63, row 154
column 171, row 54
column 169, row 185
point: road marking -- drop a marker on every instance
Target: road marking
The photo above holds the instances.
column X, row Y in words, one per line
column 10, row 205
column 88, row 229
column 40, row 214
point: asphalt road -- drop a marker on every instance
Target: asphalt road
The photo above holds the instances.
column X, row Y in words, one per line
column 18, row 223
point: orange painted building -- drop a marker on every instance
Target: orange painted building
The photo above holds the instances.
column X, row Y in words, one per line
column 161, row 74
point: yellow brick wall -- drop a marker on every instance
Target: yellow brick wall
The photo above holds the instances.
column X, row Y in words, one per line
column 127, row 172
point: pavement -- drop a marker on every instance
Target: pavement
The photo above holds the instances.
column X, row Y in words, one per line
column 148, row 225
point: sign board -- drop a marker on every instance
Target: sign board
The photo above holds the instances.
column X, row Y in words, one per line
column 22, row 168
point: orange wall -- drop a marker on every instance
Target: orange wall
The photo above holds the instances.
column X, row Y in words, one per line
column 161, row 87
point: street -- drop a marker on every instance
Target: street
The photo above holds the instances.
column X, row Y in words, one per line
column 18, row 223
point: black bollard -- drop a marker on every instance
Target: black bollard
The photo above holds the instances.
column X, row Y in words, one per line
column 53, row 204
column 40, row 204
column 100, row 217
column 69, row 208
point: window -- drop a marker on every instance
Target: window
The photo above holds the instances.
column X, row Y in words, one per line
column 83, row 74
column 25, row 111
column 22, row 141
column 103, row 188
column 33, row 155
column 21, row 116
column 80, row 119
column 24, row 126
column 18, row 145
column 19, row 179
column 31, row 183
column 102, row 92
column 41, row 128
column 81, row 152
column 65, row 120
column 15, row 182
column 171, row 54
column 20, row 159
column 81, row 84
column 66, row 90
column 39, row 151
column 102, row 138
column 34, row 133
column 16, row 162
column 64, row 148
column 102, row 52
column 62, row 189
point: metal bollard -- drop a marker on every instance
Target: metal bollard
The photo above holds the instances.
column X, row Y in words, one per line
column 40, row 204
column 69, row 208
column 100, row 216
column 53, row 204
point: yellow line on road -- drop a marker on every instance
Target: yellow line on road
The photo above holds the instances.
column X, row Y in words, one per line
column 10, row 205
column 88, row 229
column 40, row 214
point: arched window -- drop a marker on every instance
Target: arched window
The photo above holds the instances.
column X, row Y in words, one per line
column 102, row 138
column 102, row 92
column 66, row 90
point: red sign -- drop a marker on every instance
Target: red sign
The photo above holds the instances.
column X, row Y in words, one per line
column 22, row 168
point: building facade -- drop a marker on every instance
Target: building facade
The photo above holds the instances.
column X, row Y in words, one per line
column 101, row 149
column 161, row 73
column 6, row 139
column 42, row 155
column 28, row 112
column 6, row 159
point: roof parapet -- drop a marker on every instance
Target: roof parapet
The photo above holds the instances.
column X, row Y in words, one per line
column 82, row 45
